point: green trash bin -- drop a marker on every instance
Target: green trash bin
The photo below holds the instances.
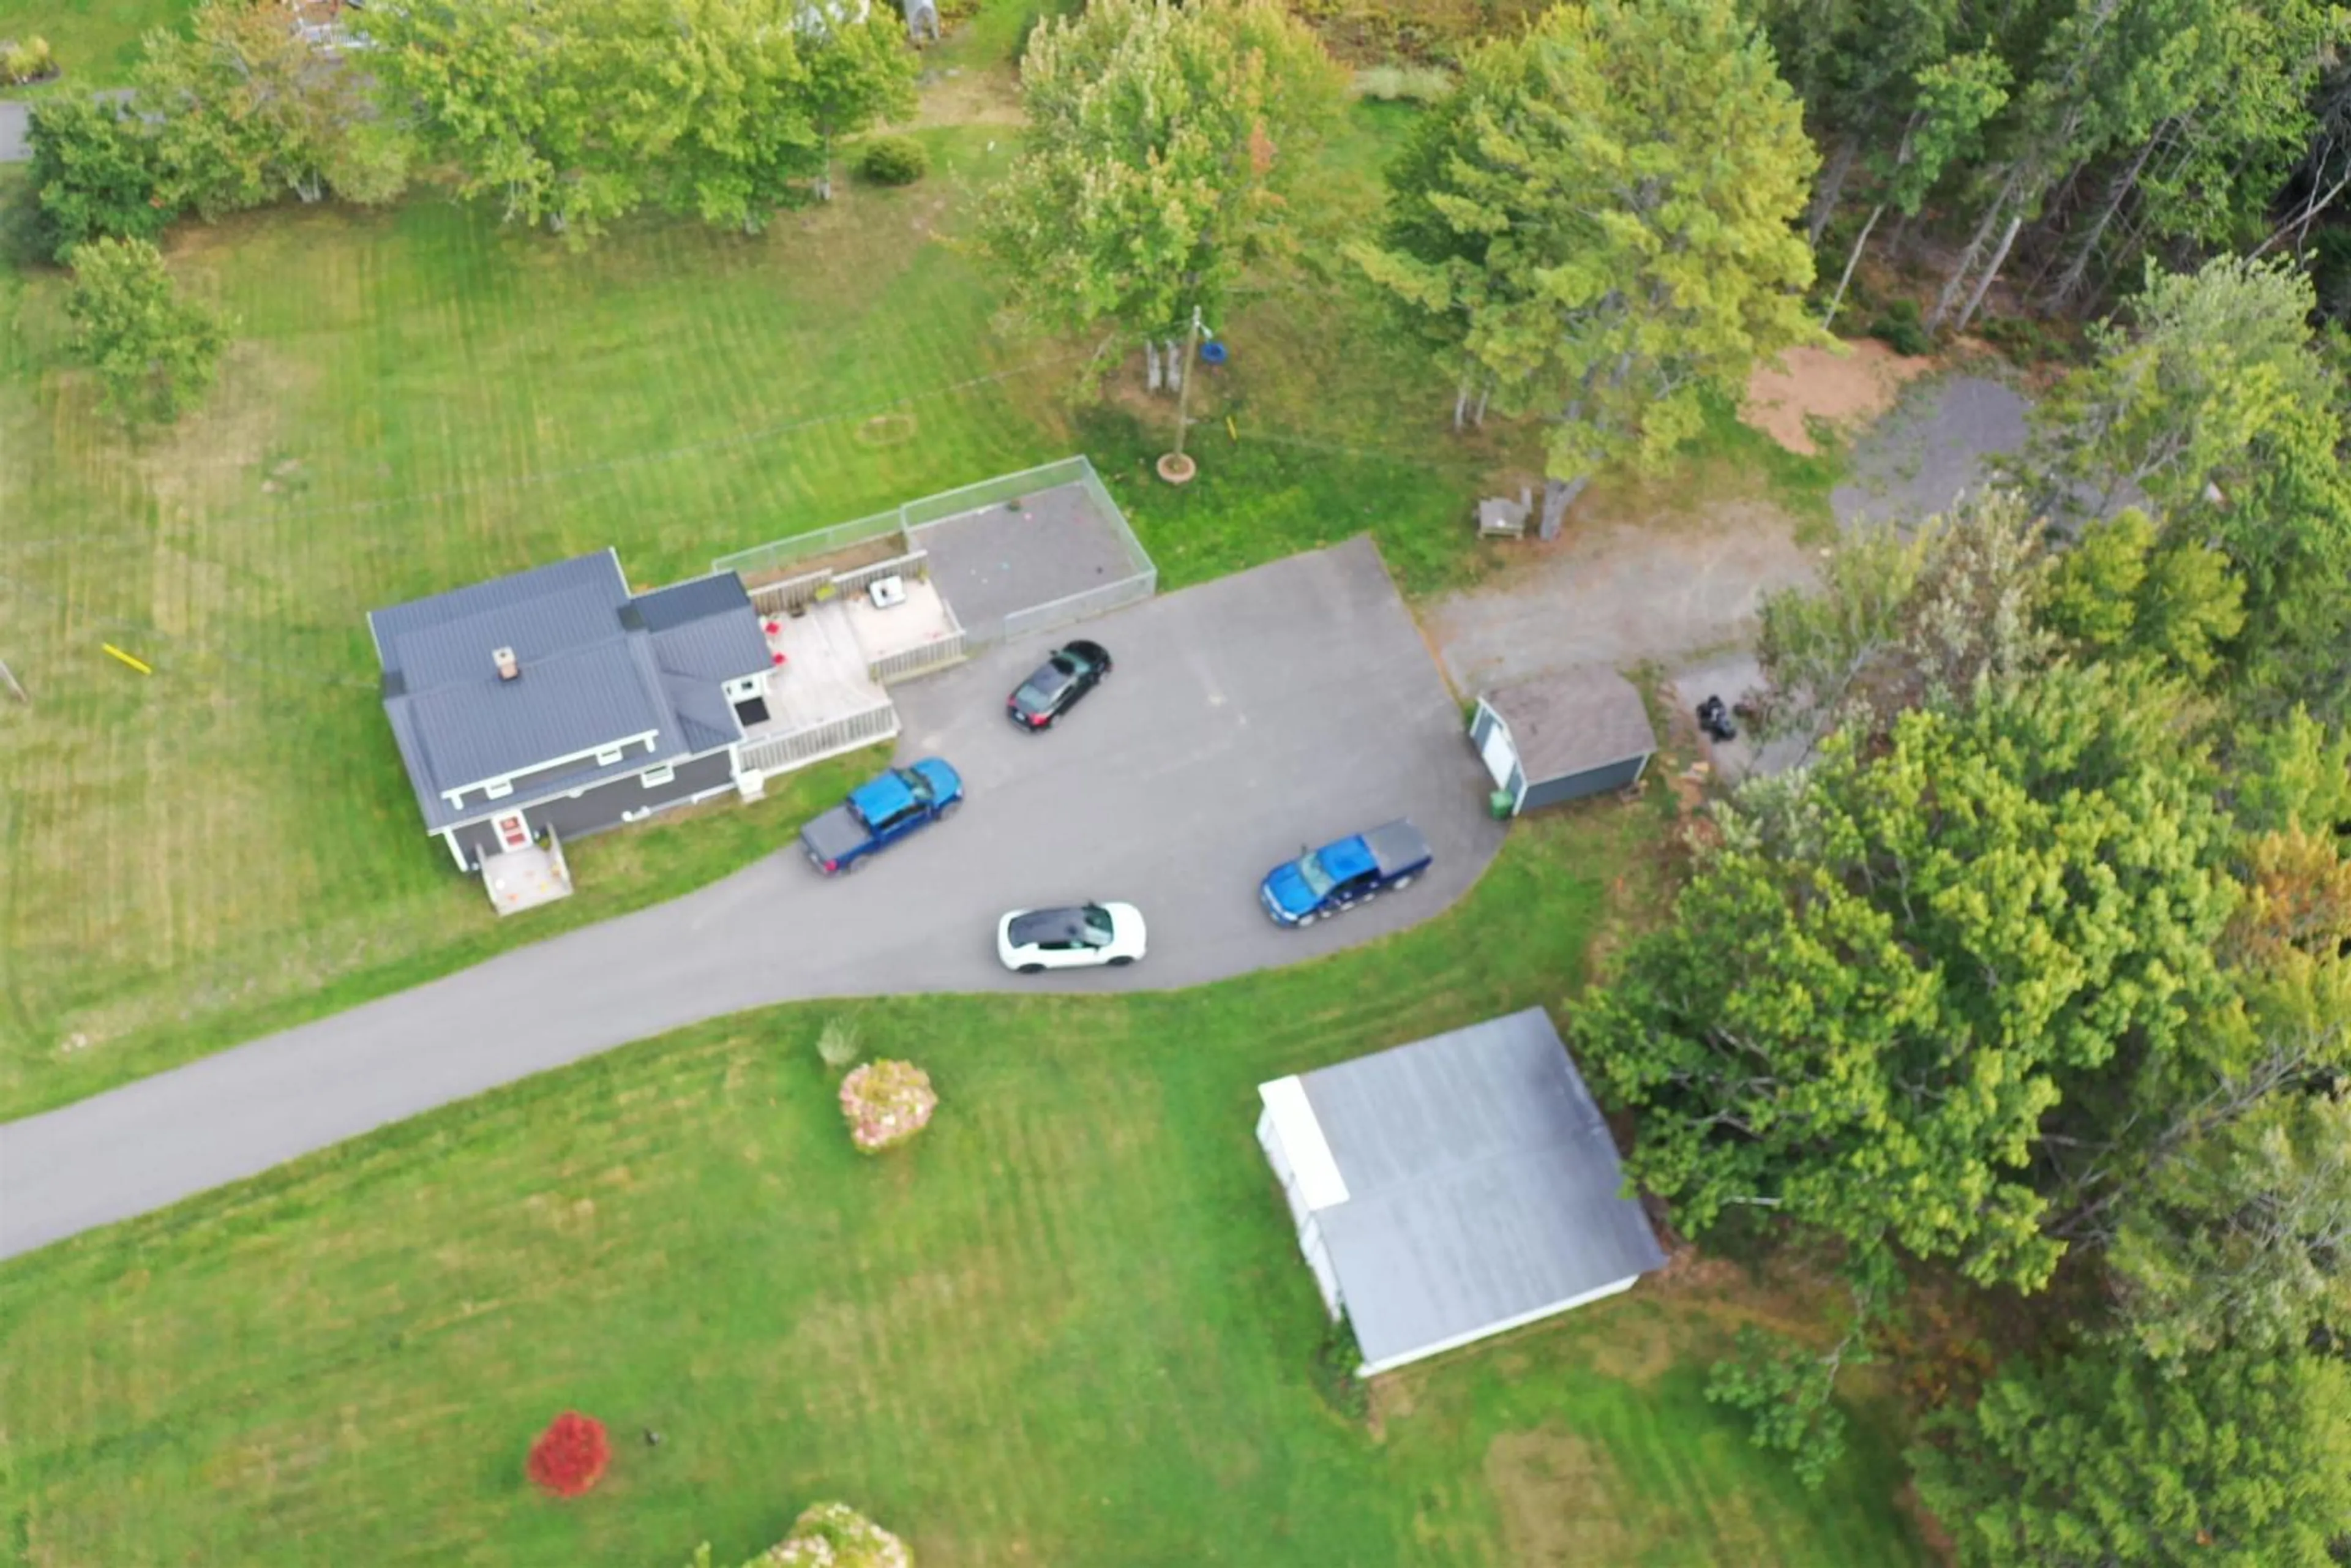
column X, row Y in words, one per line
column 1501, row 804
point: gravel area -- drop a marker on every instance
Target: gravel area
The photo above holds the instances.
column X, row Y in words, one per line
column 1939, row 442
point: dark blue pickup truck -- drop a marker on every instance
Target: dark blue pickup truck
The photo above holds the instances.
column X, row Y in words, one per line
column 879, row 814
column 1341, row 875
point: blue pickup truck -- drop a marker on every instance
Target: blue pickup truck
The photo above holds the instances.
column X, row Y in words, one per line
column 1341, row 875
column 879, row 814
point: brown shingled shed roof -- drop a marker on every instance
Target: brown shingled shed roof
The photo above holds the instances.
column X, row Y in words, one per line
column 1573, row 721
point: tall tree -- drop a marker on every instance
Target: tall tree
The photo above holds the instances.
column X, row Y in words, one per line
column 1588, row 243
column 246, row 110
column 1855, row 64
column 2216, row 406
column 155, row 352
column 2099, row 78
column 1874, row 982
column 96, row 173
column 2239, row 1459
column 1163, row 148
column 860, row 74
column 1951, row 101
column 573, row 113
column 1905, row 621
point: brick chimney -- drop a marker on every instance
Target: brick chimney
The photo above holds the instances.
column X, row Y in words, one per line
column 507, row 667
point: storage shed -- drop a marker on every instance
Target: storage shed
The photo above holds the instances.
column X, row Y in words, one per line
column 1454, row 1188
column 1562, row 736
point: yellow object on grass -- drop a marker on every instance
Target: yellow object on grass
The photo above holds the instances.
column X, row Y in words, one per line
column 1232, row 429
column 139, row 664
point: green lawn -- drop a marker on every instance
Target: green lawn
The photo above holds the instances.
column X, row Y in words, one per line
column 1068, row 1326
column 96, row 42
column 421, row 398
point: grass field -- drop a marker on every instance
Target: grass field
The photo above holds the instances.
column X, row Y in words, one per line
column 421, row 398
column 1068, row 1326
column 96, row 42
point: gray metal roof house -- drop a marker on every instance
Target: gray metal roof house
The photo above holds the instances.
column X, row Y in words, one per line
column 1562, row 735
column 1454, row 1188
column 556, row 700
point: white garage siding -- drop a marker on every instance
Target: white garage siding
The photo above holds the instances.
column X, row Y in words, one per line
column 1307, row 1183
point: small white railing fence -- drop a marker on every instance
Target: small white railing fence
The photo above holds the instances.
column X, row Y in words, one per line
column 951, row 649
column 772, row 754
column 1070, row 609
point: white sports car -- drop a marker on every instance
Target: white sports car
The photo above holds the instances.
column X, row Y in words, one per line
column 1081, row 935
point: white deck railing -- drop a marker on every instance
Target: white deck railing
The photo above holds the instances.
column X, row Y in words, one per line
column 773, row 754
column 948, row 650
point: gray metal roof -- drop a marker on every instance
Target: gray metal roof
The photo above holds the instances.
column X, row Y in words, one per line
column 599, row 573
column 1573, row 720
column 706, row 629
column 597, row 667
column 1482, row 1186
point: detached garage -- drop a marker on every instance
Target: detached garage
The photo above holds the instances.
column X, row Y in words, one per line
column 1562, row 736
column 1454, row 1188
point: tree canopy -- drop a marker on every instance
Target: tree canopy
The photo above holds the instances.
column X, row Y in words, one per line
column 2242, row 1458
column 153, row 352
column 1581, row 239
column 575, row 113
column 1163, row 148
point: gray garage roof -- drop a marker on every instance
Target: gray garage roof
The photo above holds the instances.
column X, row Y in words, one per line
column 1482, row 1187
column 598, row 666
column 1573, row 720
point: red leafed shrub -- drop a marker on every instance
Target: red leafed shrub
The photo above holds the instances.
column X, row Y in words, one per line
column 571, row 1454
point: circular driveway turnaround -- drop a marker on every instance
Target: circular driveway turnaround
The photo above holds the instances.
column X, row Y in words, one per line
column 1246, row 717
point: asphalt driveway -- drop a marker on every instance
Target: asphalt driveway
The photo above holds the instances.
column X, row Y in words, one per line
column 1288, row 704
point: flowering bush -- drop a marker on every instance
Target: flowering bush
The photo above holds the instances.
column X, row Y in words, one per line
column 886, row 1103
column 571, row 1454
column 835, row 1535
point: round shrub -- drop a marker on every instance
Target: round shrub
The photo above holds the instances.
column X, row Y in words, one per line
column 894, row 161
column 571, row 1454
column 29, row 61
column 835, row 1535
column 886, row 1103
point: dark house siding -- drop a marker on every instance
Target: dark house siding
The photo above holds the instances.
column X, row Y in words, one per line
column 601, row 807
column 1575, row 786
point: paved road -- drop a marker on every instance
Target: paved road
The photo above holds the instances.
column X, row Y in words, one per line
column 1296, row 702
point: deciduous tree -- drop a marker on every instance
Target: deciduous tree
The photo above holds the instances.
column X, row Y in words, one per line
column 1163, row 146
column 1905, row 621
column 153, row 352
column 1586, row 241
column 96, row 173
column 1874, row 984
column 2217, row 408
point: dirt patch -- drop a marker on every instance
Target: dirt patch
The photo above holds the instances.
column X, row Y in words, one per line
column 959, row 96
column 1561, row 1500
column 1845, row 388
column 1639, row 1351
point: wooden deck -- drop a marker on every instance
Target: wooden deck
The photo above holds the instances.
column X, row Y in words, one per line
column 920, row 622
column 823, row 674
